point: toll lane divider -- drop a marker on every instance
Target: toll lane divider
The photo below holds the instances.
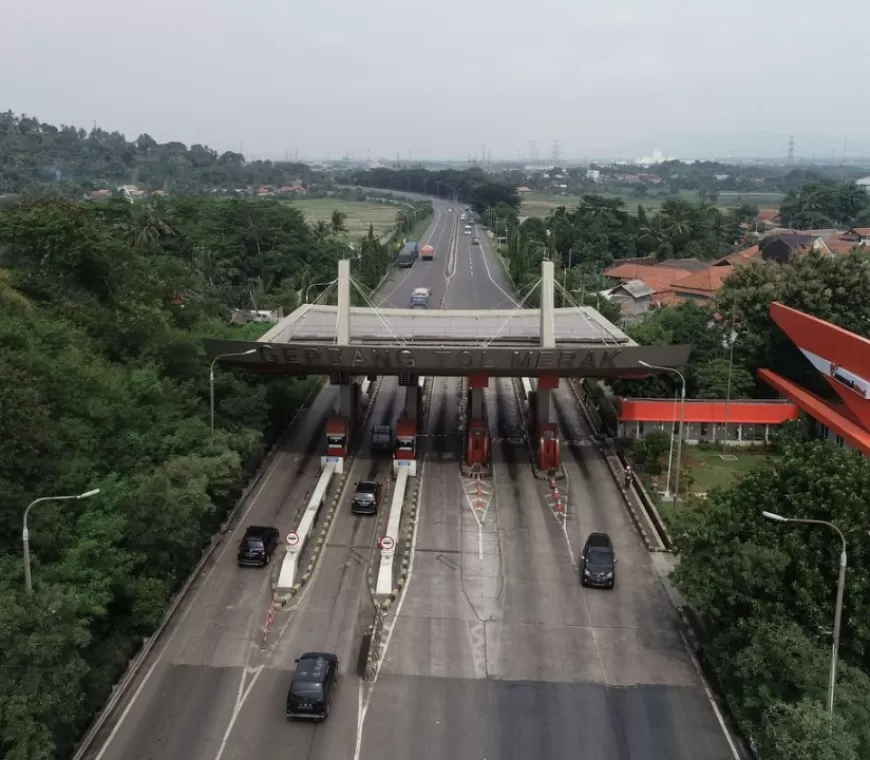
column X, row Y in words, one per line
column 301, row 579
column 385, row 571
column 120, row 689
column 287, row 577
column 373, row 639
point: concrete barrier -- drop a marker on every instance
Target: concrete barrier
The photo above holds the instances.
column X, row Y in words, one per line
column 290, row 564
column 385, row 570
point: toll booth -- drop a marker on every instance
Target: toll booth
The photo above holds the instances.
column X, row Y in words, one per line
column 548, row 454
column 405, row 454
column 337, row 442
column 477, row 451
column 532, row 415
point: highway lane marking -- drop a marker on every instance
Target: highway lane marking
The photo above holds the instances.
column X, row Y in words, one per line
column 451, row 256
column 241, row 696
column 489, row 274
column 364, row 700
column 433, row 228
column 254, row 499
column 735, row 754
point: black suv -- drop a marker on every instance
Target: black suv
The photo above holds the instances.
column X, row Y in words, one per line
column 366, row 498
column 257, row 546
column 313, row 686
column 598, row 562
column 382, row 438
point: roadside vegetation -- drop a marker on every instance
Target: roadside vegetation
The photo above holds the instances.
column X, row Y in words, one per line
column 103, row 308
column 38, row 157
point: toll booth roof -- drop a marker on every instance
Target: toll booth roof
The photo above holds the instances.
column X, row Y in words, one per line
column 576, row 326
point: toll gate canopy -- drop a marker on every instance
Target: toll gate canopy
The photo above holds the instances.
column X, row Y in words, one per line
column 571, row 342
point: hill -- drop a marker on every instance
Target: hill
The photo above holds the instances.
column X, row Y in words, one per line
column 71, row 160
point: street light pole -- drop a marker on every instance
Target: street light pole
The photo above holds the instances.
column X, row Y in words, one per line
column 314, row 285
column 841, row 586
column 211, row 381
column 25, row 534
column 682, row 421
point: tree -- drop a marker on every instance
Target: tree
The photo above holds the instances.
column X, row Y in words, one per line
column 830, row 288
column 687, row 323
column 719, row 378
column 104, row 310
column 337, row 222
column 765, row 590
column 69, row 161
column 803, row 731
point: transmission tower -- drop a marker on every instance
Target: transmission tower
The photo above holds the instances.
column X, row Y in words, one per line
column 791, row 150
column 557, row 155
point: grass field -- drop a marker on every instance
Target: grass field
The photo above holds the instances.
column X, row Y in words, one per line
column 542, row 204
column 708, row 471
column 382, row 216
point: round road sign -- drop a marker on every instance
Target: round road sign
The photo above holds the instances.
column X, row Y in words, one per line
column 292, row 538
column 387, row 543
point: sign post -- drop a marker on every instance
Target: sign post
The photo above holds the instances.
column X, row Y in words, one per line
column 387, row 544
column 292, row 541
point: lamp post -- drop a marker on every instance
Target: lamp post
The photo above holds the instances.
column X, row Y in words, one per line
column 211, row 380
column 314, row 285
column 841, row 585
column 682, row 420
column 25, row 534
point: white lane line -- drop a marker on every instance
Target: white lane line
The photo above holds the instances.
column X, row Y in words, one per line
column 489, row 274
column 241, row 696
column 451, row 256
column 176, row 626
column 108, row 742
column 433, row 228
column 735, row 754
column 365, row 702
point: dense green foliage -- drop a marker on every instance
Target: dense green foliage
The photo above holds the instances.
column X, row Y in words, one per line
column 103, row 308
column 765, row 592
column 587, row 239
column 471, row 186
column 68, row 161
column 830, row 288
column 820, row 205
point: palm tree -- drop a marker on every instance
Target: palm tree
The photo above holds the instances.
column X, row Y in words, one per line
column 337, row 222
column 321, row 231
column 149, row 224
column 677, row 219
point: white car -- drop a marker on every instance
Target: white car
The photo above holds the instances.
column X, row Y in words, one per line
column 467, row 232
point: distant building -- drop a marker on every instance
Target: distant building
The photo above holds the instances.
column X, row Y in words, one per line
column 633, row 297
column 593, row 174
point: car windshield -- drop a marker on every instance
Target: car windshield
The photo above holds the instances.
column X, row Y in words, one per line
column 253, row 543
column 307, row 689
column 599, row 559
column 366, row 489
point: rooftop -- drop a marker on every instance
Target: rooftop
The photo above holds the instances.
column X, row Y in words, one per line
column 577, row 326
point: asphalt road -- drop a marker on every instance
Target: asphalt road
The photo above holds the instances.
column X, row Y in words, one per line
column 498, row 652
column 212, row 691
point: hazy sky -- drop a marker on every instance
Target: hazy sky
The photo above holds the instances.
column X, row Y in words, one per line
column 437, row 79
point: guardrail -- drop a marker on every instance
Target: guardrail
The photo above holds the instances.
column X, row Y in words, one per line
column 301, row 536
column 388, row 542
